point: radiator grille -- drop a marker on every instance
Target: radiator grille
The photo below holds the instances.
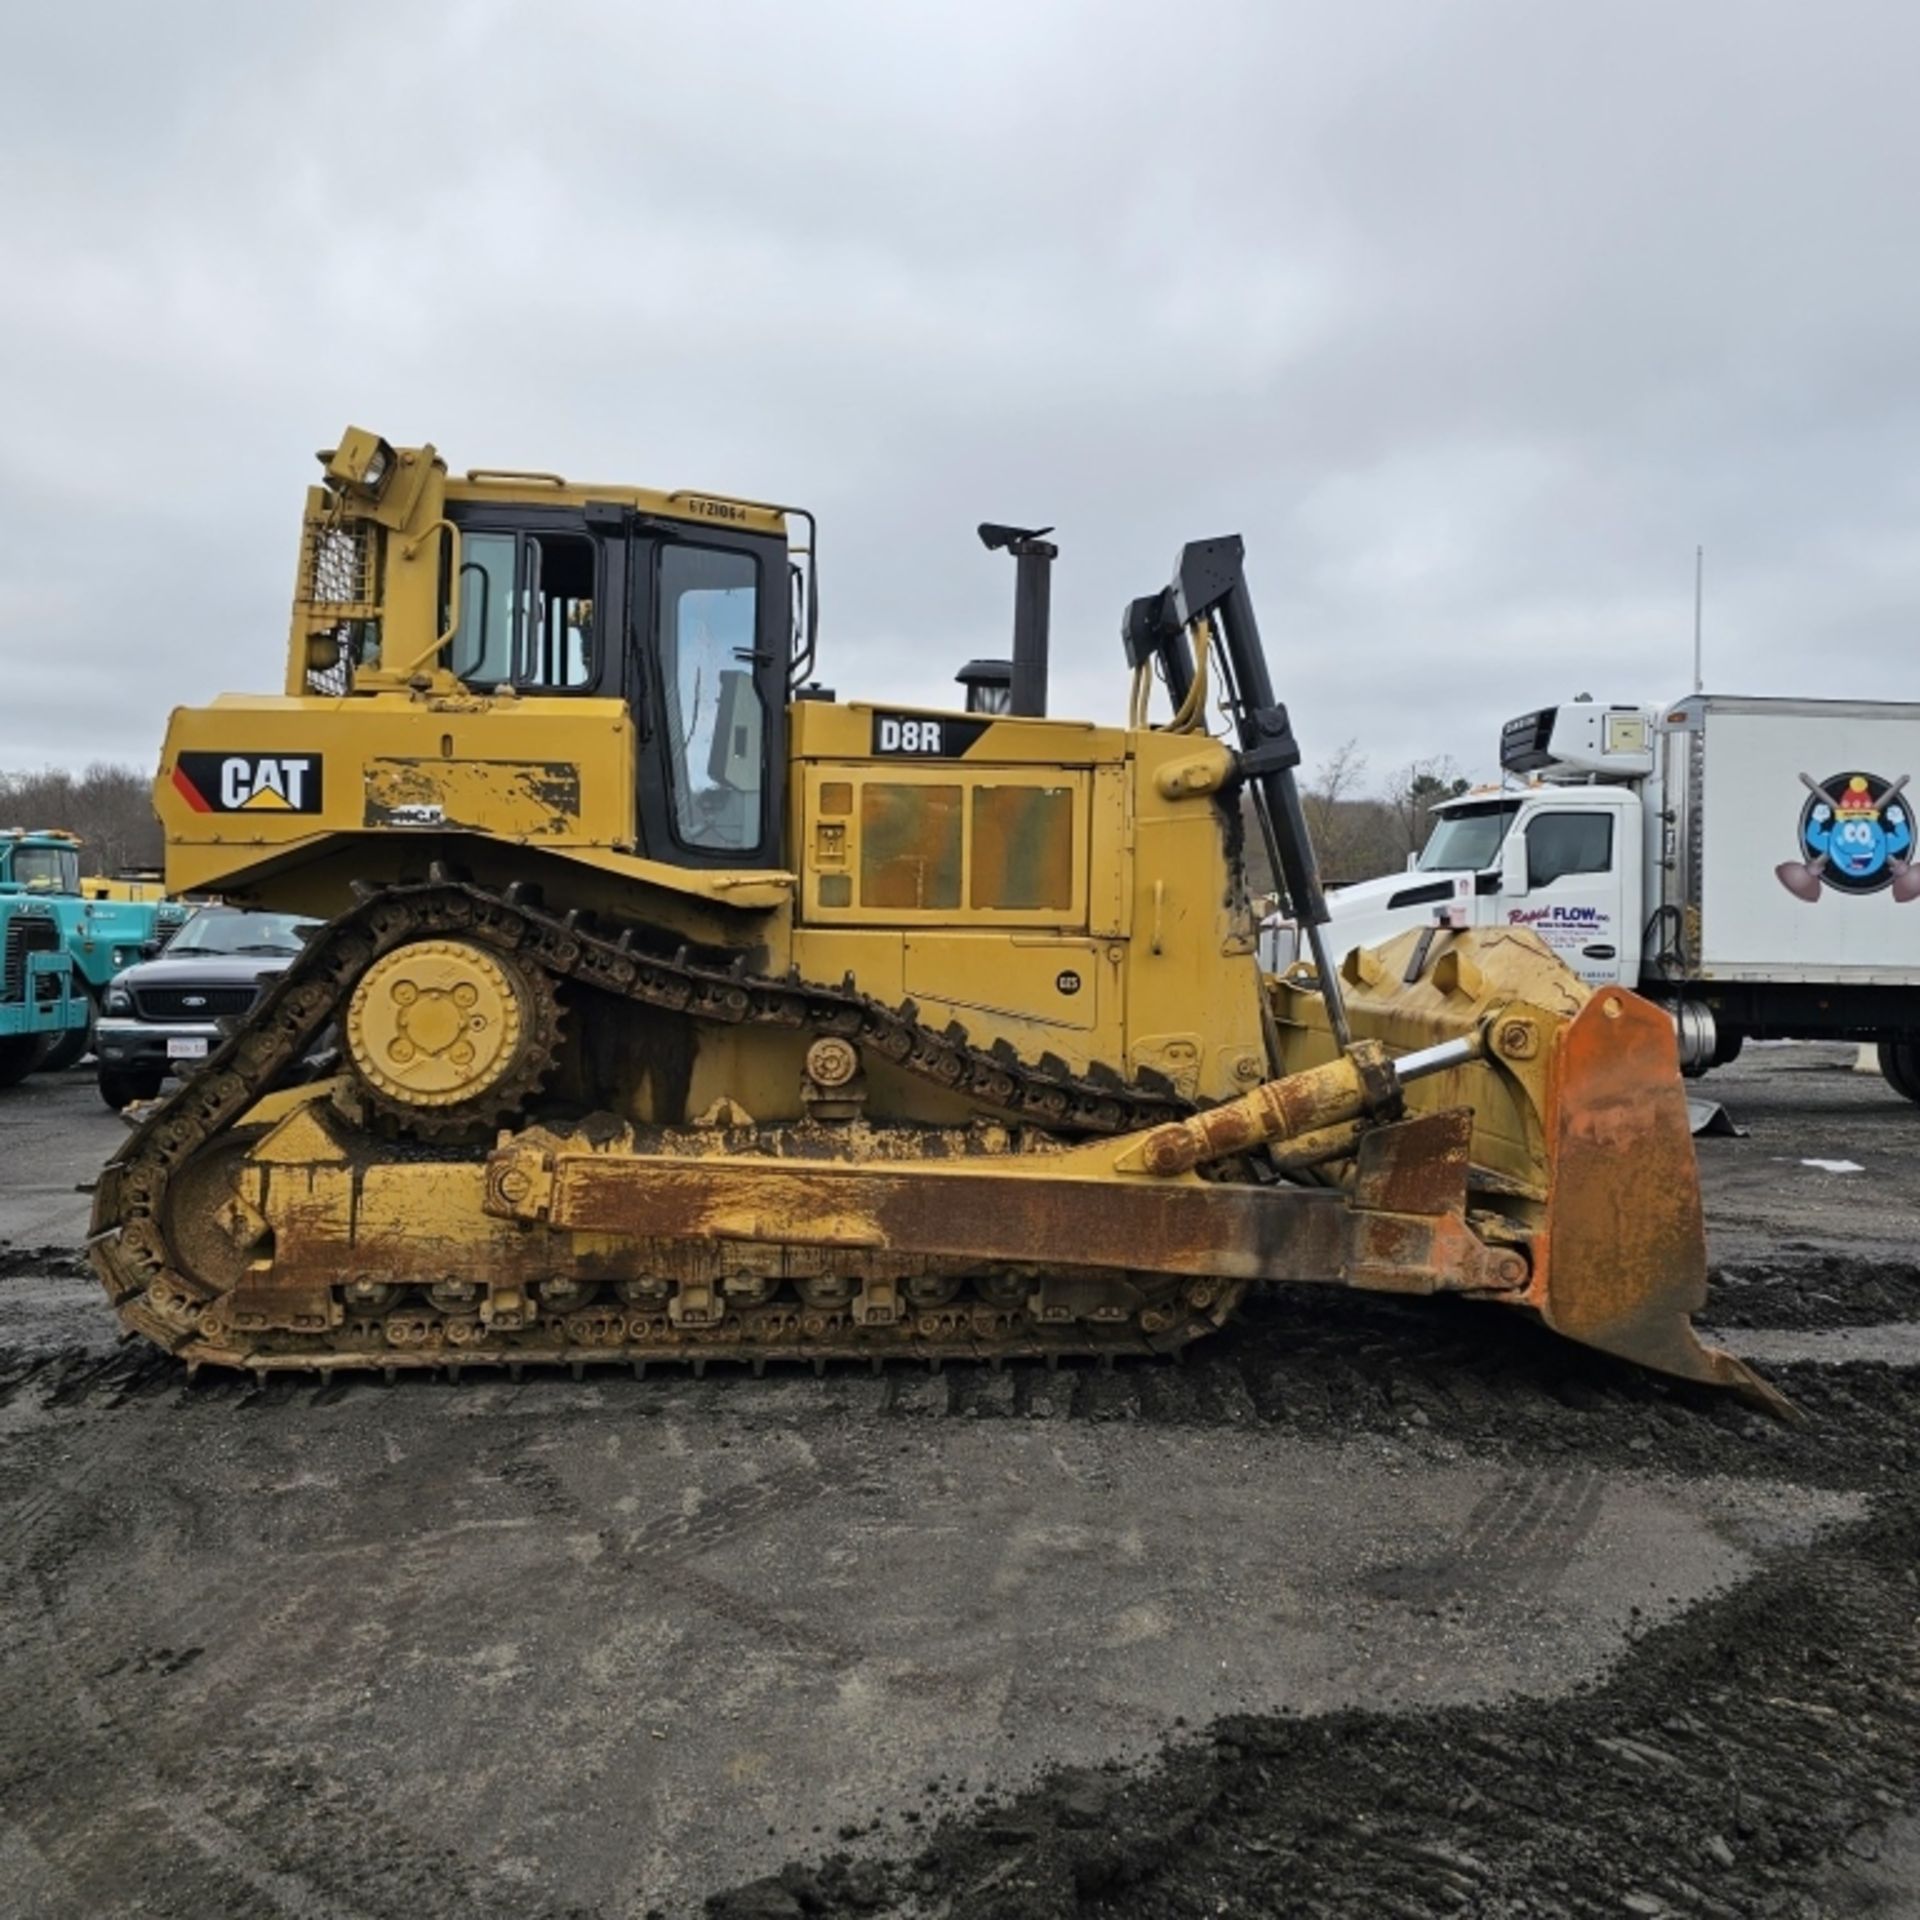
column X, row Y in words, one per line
column 27, row 933
column 192, row 1003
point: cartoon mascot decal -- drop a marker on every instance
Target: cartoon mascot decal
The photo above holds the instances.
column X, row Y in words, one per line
column 1855, row 836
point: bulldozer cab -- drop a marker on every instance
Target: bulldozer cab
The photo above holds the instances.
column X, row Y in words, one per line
column 691, row 628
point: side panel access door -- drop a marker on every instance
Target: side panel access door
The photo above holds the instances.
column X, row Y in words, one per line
column 975, row 876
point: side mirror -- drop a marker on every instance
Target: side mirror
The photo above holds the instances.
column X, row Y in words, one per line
column 148, row 948
column 1513, row 862
column 1413, row 862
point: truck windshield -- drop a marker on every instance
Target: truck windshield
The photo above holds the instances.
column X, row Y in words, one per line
column 47, row 869
column 1467, row 839
column 222, row 930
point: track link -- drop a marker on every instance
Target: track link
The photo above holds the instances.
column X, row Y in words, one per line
column 162, row 1296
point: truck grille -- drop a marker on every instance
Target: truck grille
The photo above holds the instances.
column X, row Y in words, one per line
column 27, row 933
column 192, row 1003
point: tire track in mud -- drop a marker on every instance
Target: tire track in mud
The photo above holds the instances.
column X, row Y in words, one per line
column 1514, row 1548
column 1517, row 1540
column 72, row 1727
column 181, row 1834
column 1721, row 1770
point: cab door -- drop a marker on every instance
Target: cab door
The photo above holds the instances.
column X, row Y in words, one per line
column 709, row 652
column 1563, row 882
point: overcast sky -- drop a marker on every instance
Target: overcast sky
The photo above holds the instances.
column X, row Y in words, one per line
column 1472, row 318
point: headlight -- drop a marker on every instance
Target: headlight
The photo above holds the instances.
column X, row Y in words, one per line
column 119, row 1000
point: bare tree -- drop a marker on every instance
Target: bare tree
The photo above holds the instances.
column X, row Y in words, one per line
column 109, row 807
column 1413, row 794
column 1336, row 779
column 1352, row 829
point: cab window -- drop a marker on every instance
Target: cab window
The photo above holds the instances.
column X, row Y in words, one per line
column 46, row 869
column 526, row 611
column 1562, row 843
column 715, row 726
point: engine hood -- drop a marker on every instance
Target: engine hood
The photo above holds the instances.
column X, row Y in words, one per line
column 203, row 970
column 1371, row 912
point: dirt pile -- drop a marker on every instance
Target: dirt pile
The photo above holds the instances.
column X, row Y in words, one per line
column 43, row 1263
column 1813, row 1290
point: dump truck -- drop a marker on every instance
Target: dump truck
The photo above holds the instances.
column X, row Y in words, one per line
column 40, row 1008
column 1750, row 864
column 688, row 1013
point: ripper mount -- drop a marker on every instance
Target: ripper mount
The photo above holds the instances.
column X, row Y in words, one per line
column 1210, row 583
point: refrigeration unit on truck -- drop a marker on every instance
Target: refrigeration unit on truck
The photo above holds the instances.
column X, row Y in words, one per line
column 1749, row 863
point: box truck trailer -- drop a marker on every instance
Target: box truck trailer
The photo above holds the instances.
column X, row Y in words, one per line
column 1751, row 864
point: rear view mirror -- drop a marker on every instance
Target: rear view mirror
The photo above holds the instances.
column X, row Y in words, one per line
column 148, row 948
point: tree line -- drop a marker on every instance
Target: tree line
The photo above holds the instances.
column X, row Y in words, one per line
column 1360, row 832
column 110, row 807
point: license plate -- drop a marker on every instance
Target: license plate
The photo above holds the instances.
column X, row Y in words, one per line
column 186, row 1049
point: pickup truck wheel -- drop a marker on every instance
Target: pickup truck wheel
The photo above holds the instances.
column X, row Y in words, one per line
column 19, row 1055
column 120, row 1086
column 1900, row 1063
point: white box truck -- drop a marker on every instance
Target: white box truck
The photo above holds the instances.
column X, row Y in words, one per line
column 1751, row 864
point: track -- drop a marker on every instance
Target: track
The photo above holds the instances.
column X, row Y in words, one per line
column 1311, row 1365
column 181, row 1303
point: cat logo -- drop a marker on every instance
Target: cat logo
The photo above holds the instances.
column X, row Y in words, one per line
column 249, row 782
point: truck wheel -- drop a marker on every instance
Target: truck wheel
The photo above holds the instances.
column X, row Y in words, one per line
column 120, row 1086
column 1900, row 1063
column 1726, row 1047
column 19, row 1055
column 68, row 1049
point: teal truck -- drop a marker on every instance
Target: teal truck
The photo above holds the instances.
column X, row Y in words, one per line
column 41, row 1006
column 98, row 936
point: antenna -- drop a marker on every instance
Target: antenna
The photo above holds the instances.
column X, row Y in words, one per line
column 1699, row 585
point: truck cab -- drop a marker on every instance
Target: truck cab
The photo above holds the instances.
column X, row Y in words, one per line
column 1557, row 849
column 100, row 933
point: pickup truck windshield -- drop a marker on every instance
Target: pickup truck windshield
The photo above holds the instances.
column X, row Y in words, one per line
column 1467, row 839
column 221, row 930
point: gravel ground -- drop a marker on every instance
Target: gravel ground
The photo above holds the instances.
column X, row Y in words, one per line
column 1368, row 1607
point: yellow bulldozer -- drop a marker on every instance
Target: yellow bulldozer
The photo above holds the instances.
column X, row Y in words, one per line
column 680, row 1011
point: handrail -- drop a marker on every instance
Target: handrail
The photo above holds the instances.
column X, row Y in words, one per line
column 412, row 547
column 480, row 475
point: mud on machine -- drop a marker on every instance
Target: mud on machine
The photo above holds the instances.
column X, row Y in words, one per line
column 686, row 1012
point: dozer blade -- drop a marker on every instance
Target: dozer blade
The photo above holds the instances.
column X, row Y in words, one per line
column 1581, row 1148
column 1622, row 1265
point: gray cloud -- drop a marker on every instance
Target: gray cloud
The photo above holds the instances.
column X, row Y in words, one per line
column 1472, row 318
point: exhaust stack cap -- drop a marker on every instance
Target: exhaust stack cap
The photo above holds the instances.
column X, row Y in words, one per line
column 1034, row 556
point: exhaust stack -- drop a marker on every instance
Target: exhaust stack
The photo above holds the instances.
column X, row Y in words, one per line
column 1034, row 556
